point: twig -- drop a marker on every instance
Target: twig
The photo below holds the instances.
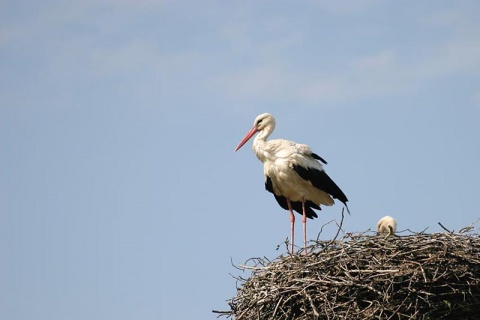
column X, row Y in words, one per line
column 441, row 225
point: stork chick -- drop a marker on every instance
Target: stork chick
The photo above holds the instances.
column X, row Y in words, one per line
column 387, row 226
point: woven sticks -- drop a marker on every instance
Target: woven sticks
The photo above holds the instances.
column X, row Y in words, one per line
column 419, row 276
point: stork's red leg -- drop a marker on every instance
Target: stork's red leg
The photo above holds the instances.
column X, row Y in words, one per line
column 292, row 222
column 304, row 222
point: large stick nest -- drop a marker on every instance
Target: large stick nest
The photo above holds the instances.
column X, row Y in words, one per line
column 418, row 276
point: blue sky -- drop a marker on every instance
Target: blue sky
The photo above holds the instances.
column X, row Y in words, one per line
column 120, row 194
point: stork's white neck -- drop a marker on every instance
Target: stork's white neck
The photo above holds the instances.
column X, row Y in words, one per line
column 260, row 144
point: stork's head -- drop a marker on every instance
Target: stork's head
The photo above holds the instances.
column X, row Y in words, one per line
column 264, row 122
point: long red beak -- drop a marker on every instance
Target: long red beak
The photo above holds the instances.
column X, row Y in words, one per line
column 247, row 137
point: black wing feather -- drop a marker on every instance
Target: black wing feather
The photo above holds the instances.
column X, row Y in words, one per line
column 322, row 181
column 316, row 156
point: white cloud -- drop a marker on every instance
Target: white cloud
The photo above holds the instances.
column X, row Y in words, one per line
column 248, row 59
column 391, row 70
column 450, row 47
column 451, row 58
column 382, row 73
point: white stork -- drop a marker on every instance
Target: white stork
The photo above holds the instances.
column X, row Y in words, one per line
column 387, row 225
column 293, row 174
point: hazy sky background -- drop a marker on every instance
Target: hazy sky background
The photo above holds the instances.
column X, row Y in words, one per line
column 120, row 194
